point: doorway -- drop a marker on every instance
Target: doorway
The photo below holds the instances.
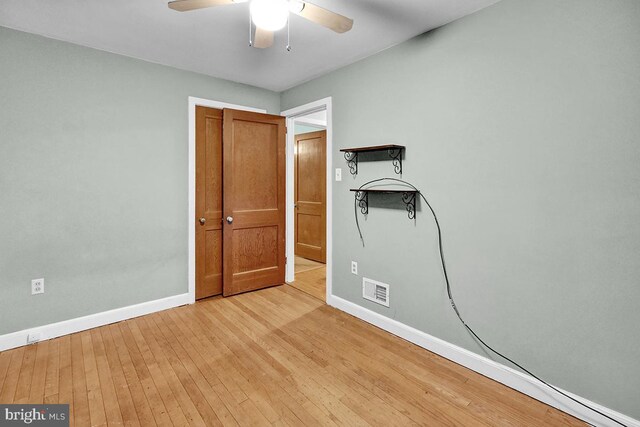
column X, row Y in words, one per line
column 310, row 194
column 237, row 201
column 308, row 204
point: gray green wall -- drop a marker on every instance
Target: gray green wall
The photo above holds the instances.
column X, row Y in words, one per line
column 522, row 127
column 93, row 177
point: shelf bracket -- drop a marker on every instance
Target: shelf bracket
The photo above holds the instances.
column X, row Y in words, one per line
column 396, row 159
column 352, row 161
column 409, row 199
column 362, row 197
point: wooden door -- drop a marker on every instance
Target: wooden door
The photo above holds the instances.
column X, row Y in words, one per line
column 254, row 201
column 310, row 195
column 208, row 202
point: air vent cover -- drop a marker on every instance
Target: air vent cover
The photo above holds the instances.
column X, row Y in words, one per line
column 375, row 291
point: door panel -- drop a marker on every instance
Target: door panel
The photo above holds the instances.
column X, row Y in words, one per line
column 310, row 195
column 208, row 202
column 255, row 153
column 254, row 196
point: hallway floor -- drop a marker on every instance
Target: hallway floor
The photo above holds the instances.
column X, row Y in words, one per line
column 311, row 278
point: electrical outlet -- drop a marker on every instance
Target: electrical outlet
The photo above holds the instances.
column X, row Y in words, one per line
column 338, row 174
column 37, row 286
column 33, row 337
column 354, row 267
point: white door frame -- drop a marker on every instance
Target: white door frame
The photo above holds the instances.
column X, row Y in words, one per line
column 291, row 114
column 320, row 124
column 193, row 102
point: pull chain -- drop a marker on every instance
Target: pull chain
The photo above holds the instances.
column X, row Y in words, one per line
column 250, row 30
column 288, row 34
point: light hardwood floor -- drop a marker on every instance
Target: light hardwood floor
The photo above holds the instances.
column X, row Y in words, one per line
column 271, row 357
column 304, row 264
column 311, row 278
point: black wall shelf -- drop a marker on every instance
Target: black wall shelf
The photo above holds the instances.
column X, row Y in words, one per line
column 394, row 152
column 408, row 198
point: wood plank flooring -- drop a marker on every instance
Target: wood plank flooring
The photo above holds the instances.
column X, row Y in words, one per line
column 312, row 282
column 310, row 277
column 271, row 357
column 304, row 264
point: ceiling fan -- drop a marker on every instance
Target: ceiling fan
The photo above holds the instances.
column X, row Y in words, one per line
column 272, row 15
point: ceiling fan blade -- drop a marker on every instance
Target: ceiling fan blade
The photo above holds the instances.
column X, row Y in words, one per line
column 262, row 38
column 326, row 18
column 186, row 5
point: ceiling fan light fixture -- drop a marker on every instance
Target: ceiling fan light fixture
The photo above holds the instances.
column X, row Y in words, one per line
column 270, row 15
column 296, row 6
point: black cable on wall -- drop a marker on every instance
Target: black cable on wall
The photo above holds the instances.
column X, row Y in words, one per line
column 452, row 301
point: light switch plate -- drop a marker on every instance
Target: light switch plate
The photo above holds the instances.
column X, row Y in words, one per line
column 338, row 174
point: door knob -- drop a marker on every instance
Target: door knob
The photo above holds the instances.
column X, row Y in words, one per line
column 229, row 219
column 202, row 220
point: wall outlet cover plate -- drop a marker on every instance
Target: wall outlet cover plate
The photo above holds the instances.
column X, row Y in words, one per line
column 37, row 286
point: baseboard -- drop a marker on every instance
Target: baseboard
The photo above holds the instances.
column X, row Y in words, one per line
column 53, row 330
column 487, row 367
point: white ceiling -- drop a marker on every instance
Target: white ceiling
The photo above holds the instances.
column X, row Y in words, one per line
column 214, row 41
